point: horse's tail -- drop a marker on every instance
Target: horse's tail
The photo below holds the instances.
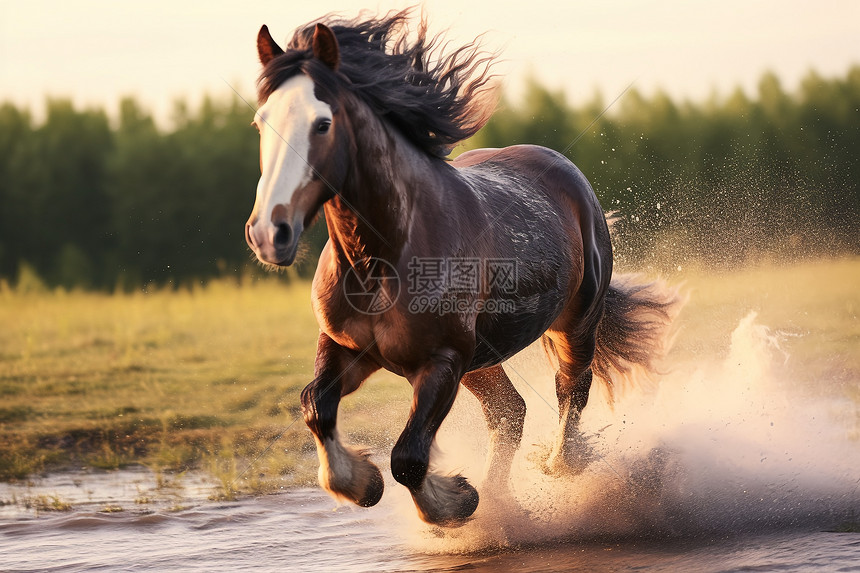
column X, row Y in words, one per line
column 635, row 331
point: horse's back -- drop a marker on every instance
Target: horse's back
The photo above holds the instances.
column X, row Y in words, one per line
column 547, row 170
column 534, row 173
column 544, row 211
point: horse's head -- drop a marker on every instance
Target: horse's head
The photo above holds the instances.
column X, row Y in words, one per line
column 302, row 143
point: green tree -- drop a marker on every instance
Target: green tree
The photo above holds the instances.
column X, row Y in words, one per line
column 16, row 141
column 84, row 203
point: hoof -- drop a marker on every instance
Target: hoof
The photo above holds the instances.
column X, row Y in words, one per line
column 373, row 492
column 565, row 467
column 347, row 474
column 447, row 501
column 572, row 460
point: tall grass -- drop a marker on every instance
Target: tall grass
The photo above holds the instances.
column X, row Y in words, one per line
column 813, row 308
column 210, row 377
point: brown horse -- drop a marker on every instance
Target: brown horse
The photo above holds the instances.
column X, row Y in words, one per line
column 437, row 271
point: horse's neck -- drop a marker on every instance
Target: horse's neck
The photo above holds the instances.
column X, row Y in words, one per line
column 370, row 217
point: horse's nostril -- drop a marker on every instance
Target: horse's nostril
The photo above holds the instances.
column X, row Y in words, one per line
column 282, row 235
column 249, row 237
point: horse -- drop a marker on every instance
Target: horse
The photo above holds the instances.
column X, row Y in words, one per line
column 499, row 247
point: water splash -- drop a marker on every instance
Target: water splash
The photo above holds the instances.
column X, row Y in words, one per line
column 720, row 446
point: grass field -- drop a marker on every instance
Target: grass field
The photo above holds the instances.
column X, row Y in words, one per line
column 210, row 378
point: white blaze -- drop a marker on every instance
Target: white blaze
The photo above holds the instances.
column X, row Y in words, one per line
column 285, row 122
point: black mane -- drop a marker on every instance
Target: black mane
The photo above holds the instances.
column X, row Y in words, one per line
column 435, row 100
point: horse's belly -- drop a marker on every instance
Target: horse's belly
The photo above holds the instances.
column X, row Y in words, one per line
column 513, row 324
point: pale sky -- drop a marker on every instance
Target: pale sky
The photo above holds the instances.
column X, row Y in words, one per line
column 96, row 51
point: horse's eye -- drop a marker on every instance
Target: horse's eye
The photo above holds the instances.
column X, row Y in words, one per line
column 323, row 126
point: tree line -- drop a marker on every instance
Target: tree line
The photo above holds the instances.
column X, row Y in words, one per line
column 725, row 181
column 97, row 202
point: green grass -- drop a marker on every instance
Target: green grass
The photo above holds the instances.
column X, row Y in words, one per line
column 210, row 378
column 813, row 308
column 45, row 503
column 169, row 379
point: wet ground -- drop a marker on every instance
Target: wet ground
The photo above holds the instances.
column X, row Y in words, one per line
column 124, row 521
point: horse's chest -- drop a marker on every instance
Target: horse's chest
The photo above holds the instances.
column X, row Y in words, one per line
column 340, row 321
column 393, row 338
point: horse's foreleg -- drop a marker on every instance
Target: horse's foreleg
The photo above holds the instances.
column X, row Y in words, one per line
column 441, row 499
column 345, row 471
column 505, row 411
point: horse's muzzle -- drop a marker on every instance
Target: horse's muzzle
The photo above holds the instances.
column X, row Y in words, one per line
column 275, row 244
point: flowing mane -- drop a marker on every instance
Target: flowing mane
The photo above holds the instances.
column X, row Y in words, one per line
column 436, row 100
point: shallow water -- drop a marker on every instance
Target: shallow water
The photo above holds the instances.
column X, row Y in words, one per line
column 303, row 530
column 730, row 464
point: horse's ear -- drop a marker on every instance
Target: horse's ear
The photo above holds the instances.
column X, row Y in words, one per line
column 267, row 48
column 325, row 46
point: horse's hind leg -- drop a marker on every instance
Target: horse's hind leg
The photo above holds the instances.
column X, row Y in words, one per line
column 505, row 411
column 575, row 343
column 345, row 471
column 440, row 499
column 571, row 451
